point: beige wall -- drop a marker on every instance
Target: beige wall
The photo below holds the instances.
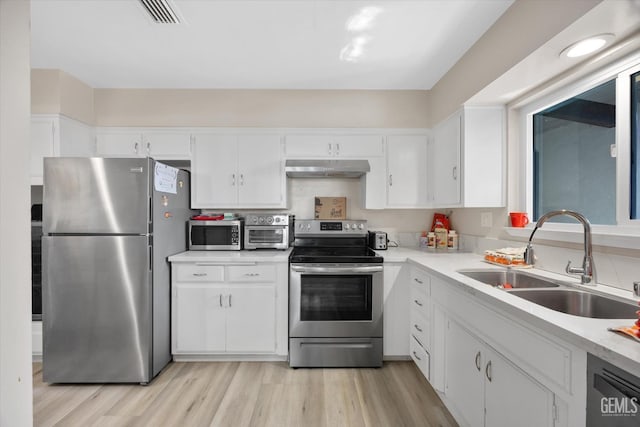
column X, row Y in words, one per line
column 15, row 271
column 522, row 29
column 57, row 92
column 261, row 108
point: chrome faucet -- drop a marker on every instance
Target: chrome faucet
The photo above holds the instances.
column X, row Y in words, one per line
column 588, row 270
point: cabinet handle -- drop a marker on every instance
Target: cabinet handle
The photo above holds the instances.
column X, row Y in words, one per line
column 417, row 302
column 390, row 180
column 487, row 371
column 233, row 179
column 417, row 327
column 478, row 367
column 337, row 149
column 329, row 148
column 241, row 179
column 418, row 280
column 229, row 298
column 455, row 172
column 199, row 274
column 148, row 148
column 416, row 355
column 135, row 148
column 220, row 300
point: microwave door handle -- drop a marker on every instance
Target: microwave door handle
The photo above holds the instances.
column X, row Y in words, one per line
column 334, row 270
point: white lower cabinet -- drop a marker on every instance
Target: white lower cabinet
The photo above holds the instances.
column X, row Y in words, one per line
column 487, row 390
column 228, row 309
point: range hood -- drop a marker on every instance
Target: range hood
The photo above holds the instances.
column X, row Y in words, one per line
column 326, row 168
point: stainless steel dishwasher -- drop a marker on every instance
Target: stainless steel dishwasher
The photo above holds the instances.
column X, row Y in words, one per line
column 613, row 395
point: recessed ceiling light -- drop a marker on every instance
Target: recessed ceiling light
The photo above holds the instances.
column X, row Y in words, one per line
column 587, row 46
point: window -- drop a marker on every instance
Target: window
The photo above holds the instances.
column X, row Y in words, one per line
column 583, row 150
column 573, row 165
column 635, row 146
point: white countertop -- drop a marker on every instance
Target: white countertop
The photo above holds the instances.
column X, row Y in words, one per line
column 258, row 255
column 586, row 333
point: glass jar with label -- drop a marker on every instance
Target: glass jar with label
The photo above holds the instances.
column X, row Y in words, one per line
column 452, row 240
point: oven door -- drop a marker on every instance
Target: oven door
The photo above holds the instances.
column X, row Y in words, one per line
column 335, row 300
column 268, row 237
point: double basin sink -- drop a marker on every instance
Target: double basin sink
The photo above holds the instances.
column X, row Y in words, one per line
column 554, row 295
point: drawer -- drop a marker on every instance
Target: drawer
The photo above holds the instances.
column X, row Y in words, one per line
column 420, row 301
column 420, row 357
column 420, row 280
column 420, row 328
column 198, row 273
column 251, row 273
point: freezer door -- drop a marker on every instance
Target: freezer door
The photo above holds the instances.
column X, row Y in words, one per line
column 96, row 309
column 96, row 195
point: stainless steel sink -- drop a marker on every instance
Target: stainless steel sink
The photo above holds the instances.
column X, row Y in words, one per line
column 515, row 278
column 579, row 303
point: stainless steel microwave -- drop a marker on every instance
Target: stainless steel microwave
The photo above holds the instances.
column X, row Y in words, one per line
column 221, row 235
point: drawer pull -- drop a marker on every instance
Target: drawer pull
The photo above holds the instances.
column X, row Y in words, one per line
column 252, row 274
column 418, row 280
column 478, row 367
column 416, row 356
column 417, row 327
column 417, row 302
column 200, row 274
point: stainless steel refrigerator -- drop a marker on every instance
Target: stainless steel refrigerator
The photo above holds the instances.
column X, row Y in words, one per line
column 109, row 225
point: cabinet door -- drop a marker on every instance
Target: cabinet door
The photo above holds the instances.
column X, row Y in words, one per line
column 214, row 177
column 531, row 406
column 309, row 145
column 42, row 145
column 120, row 144
column 445, row 162
column 167, row 145
column 396, row 312
column 76, row 138
column 358, row 146
column 261, row 177
column 251, row 319
column 465, row 359
column 407, row 171
column 199, row 318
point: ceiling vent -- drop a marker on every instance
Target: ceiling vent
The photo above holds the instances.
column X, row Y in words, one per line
column 161, row 11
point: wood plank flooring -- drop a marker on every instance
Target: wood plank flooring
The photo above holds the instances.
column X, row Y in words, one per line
column 248, row 394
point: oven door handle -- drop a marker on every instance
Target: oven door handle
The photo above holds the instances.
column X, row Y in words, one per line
column 336, row 270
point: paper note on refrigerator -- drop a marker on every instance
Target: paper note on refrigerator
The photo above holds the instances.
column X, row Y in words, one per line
column 165, row 178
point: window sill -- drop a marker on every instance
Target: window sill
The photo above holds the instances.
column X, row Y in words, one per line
column 601, row 235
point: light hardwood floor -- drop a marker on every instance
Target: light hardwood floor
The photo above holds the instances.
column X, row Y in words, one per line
column 248, row 394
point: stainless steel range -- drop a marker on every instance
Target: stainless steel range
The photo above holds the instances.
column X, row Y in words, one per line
column 335, row 296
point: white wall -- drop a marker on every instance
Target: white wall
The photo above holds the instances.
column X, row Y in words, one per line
column 15, row 278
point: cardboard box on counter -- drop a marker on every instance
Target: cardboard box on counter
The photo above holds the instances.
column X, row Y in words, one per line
column 331, row 208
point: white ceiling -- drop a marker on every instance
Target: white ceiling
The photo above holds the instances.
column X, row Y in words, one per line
column 260, row 44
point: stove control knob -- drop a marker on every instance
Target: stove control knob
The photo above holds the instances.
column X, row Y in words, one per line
column 361, row 226
column 269, row 219
column 346, row 226
column 308, row 226
column 277, row 219
column 254, row 219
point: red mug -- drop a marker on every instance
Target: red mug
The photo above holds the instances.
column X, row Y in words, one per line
column 519, row 219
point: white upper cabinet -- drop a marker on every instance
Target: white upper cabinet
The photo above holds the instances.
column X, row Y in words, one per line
column 239, row 171
column 467, row 159
column 53, row 136
column 407, row 171
column 161, row 145
column 325, row 145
